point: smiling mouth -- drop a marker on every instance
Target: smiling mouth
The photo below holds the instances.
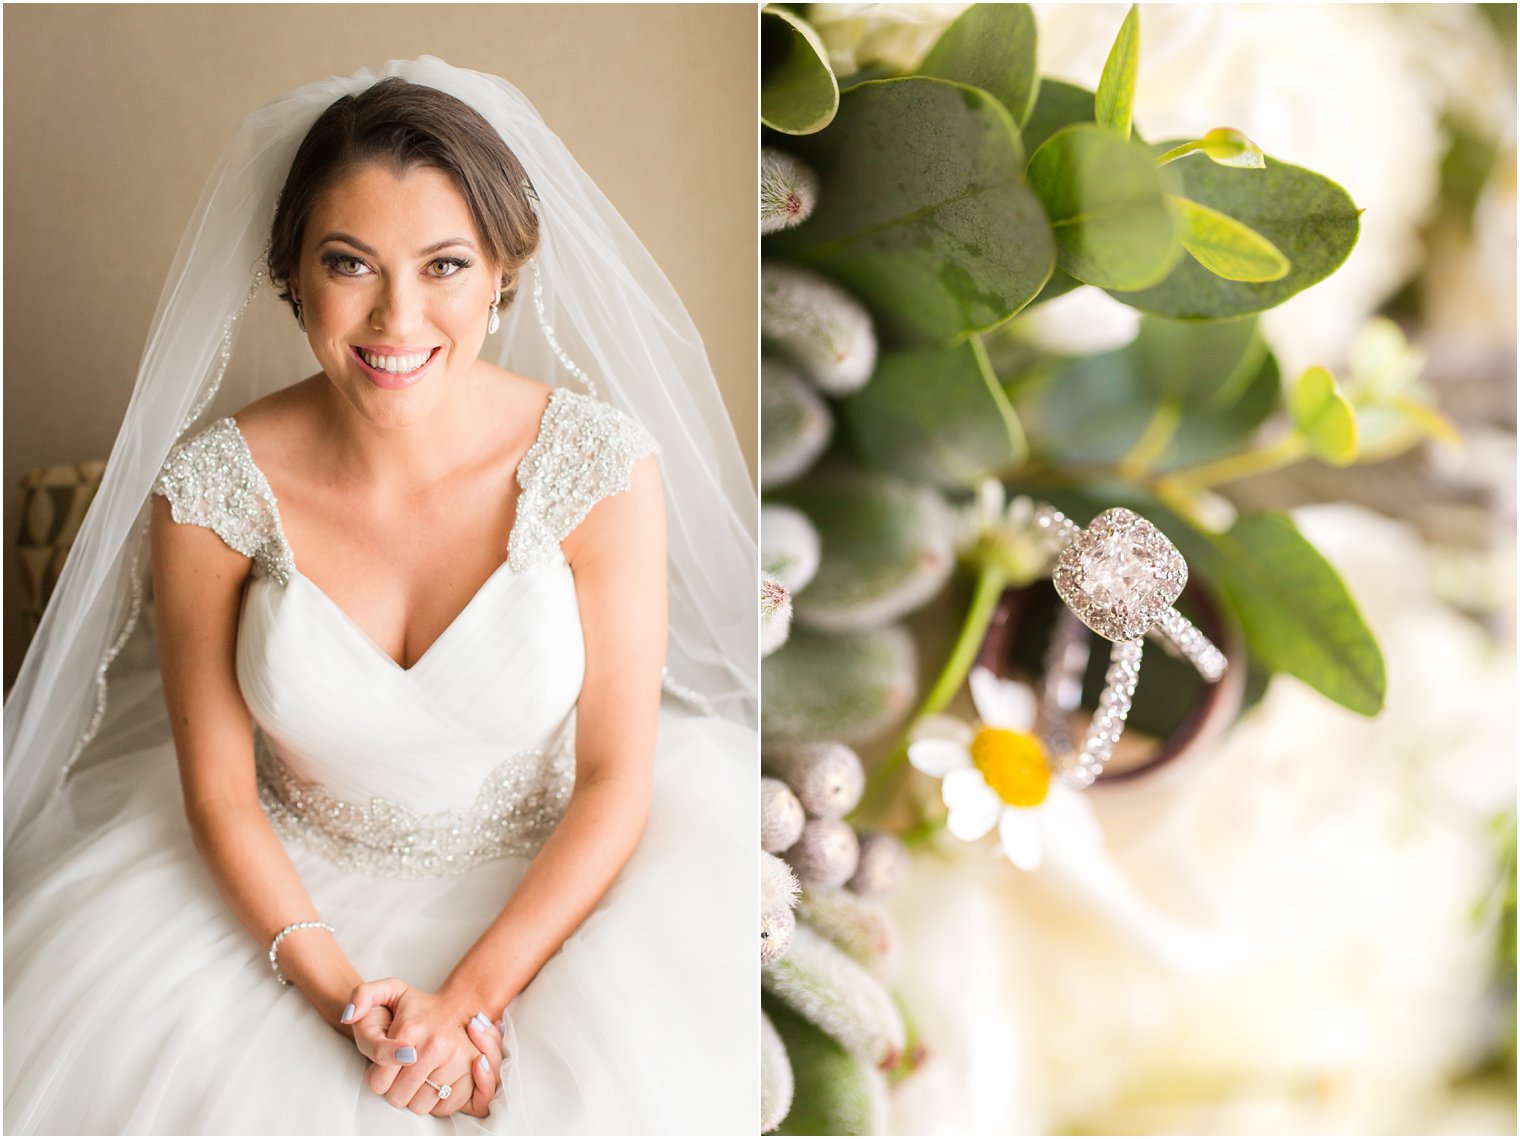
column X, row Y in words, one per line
column 398, row 365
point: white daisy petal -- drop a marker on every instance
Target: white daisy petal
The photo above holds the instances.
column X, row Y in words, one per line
column 942, row 727
column 1069, row 822
column 973, row 805
column 1019, row 829
column 1002, row 703
column 938, row 757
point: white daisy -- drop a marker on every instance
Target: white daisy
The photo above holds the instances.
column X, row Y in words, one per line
column 993, row 527
column 998, row 775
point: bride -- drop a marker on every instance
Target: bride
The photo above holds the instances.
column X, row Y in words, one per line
column 398, row 835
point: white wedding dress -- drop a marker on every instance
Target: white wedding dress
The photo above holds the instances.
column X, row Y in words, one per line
column 410, row 801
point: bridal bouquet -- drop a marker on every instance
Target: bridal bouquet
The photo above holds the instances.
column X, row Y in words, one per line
column 917, row 216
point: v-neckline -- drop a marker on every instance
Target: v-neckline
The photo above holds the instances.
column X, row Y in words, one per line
column 366, row 637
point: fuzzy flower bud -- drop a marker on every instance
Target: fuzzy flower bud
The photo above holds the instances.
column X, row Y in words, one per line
column 788, row 190
column 777, row 927
column 778, row 894
column 795, row 424
column 781, row 816
column 883, row 866
column 826, row 853
column 826, row 777
column 789, row 546
column 827, row 331
column 775, row 614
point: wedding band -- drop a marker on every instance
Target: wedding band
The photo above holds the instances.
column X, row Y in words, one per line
column 443, row 1090
column 1118, row 577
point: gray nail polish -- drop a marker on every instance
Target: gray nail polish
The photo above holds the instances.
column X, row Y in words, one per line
column 480, row 1022
column 348, row 1013
column 407, row 1055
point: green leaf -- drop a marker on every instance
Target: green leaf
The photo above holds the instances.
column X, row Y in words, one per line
column 1310, row 219
column 1211, row 430
column 1224, row 145
column 935, row 415
column 1295, row 610
column 1056, row 105
column 1116, row 87
column 885, row 542
column 1107, row 203
column 798, row 91
column 923, row 210
column 1217, row 380
column 991, row 46
column 834, row 1093
column 1227, row 248
column 1324, row 417
column 1198, row 363
column 847, row 687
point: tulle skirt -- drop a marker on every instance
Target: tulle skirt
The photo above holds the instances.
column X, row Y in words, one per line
column 135, row 1002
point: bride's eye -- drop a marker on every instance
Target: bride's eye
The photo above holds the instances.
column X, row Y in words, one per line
column 446, row 266
column 345, row 264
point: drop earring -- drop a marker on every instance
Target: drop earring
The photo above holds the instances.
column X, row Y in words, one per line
column 300, row 320
column 495, row 322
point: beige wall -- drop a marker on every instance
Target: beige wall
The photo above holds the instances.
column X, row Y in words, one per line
column 114, row 116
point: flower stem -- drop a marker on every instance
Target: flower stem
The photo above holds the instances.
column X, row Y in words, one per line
column 1155, row 439
column 991, row 580
column 1289, row 449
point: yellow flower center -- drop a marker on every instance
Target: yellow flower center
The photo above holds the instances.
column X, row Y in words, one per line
column 1014, row 765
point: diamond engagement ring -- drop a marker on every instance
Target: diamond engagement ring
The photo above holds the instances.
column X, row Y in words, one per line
column 443, row 1090
column 1118, row 577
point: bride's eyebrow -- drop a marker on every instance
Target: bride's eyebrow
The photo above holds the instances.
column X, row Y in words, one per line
column 349, row 239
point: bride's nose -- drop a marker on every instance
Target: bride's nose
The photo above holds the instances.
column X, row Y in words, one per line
column 398, row 308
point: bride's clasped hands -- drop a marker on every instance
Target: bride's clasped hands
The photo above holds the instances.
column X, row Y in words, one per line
column 415, row 1040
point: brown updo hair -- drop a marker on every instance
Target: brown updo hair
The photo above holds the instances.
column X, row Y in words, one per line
column 404, row 125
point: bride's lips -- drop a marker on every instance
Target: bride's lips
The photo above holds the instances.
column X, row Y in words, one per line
column 393, row 381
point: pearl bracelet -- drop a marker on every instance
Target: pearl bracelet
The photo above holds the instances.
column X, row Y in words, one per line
column 274, row 946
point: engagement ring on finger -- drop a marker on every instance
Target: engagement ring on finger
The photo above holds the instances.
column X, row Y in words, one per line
column 1119, row 577
column 443, row 1090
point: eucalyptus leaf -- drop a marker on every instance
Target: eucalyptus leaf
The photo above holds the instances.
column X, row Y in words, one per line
column 833, row 1093
column 1108, row 206
column 1211, row 430
column 798, row 91
column 991, row 46
column 1056, row 105
column 935, row 415
column 1218, row 379
column 1324, row 417
column 1091, row 412
column 1224, row 145
column 886, row 548
column 1227, row 248
column 923, row 209
column 1309, row 219
column 1198, row 363
column 1297, row 614
column 847, row 687
column 1115, row 103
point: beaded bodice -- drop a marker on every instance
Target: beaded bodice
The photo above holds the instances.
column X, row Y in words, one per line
column 465, row 756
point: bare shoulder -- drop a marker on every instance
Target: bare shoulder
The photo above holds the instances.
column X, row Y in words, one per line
column 283, row 423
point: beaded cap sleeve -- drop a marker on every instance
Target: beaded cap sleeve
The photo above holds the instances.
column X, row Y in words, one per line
column 584, row 453
column 211, row 480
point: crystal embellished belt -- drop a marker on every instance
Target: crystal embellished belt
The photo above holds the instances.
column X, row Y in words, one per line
column 519, row 804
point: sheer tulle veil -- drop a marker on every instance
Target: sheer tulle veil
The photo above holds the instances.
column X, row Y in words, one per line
column 609, row 309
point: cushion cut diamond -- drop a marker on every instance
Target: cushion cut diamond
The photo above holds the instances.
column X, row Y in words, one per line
column 1120, row 575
